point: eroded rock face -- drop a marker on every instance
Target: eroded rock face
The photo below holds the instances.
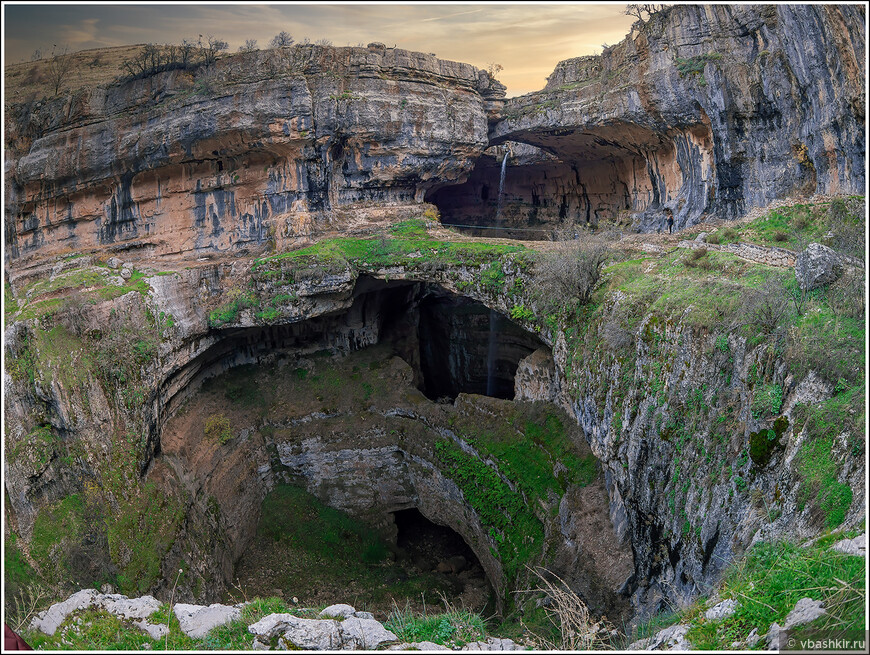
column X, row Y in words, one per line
column 705, row 110
column 280, row 144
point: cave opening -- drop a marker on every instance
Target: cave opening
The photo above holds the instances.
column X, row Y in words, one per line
column 453, row 343
column 467, row 348
column 430, row 547
column 615, row 175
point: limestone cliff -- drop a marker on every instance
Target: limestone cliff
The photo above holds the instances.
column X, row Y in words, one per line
column 705, row 110
column 708, row 437
column 260, row 148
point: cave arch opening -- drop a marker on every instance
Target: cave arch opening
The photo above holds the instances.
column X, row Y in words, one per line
column 621, row 174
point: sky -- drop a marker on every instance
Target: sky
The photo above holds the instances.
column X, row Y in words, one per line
column 527, row 39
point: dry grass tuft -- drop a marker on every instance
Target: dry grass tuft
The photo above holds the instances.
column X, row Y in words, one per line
column 578, row 628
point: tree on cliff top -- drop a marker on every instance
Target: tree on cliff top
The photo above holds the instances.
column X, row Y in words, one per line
column 282, row 38
column 493, row 69
column 643, row 12
column 215, row 45
column 59, row 67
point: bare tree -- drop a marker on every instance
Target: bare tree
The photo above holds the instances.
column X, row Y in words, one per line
column 493, row 69
column 764, row 308
column 59, row 67
column 37, row 55
column 324, row 42
column 570, row 273
column 215, row 45
column 642, row 11
column 185, row 52
column 250, row 45
column 281, row 39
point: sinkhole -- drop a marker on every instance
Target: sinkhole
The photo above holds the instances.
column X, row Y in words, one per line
column 330, row 447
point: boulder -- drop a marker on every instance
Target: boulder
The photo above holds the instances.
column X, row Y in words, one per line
column 493, row 643
column 775, row 637
column 856, row 546
column 816, row 266
column 49, row 620
column 294, row 633
column 338, row 611
column 671, row 638
column 154, row 630
column 418, row 645
column 364, row 634
column 129, row 608
column 121, row 606
column 196, row 620
column 805, row 610
column 721, row 611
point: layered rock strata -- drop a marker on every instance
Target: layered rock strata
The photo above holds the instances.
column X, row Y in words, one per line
column 260, row 148
column 703, row 110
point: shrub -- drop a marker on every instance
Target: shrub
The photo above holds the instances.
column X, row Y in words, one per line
column 764, row 309
column 614, row 336
column 698, row 258
column 453, row 627
column 578, row 628
column 846, row 224
column 217, row 427
column 59, row 68
column 767, row 400
column 570, row 273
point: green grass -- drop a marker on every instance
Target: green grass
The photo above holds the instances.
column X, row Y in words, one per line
column 10, row 304
column 529, row 442
column 290, row 513
column 831, row 344
column 140, row 533
column 835, row 224
column 770, row 580
column 327, row 553
column 820, row 486
column 217, row 428
column 767, row 400
column 451, row 628
column 57, row 527
column 38, row 446
column 93, row 283
column 515, row 529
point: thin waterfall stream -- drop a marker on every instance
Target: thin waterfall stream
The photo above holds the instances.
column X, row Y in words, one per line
column 492, row 353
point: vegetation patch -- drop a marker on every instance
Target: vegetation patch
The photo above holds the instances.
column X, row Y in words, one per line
column 837, row 224
column 217, row 428
column 323, row 554
column 515, row 529
column 767, row 584
column 820, row 485
column 454, row 627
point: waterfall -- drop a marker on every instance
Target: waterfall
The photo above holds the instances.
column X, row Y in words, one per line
column 492, row 352
column 501, row 188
